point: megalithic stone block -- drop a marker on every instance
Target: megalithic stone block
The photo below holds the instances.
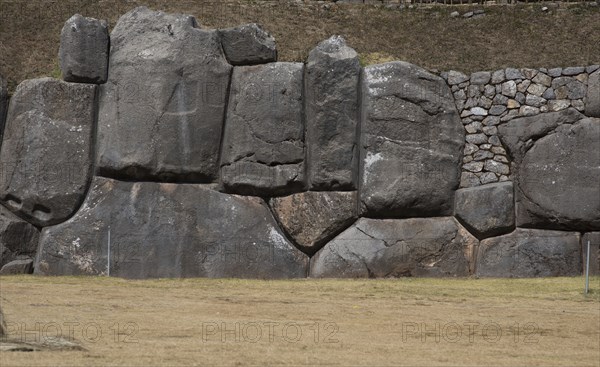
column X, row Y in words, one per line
column 332, row 75
column 411, row 142
column 169, row 230
column 518, row 134
column 381, row 248
column 263, row 147
column 487, row 210
column 24, row 266
column 559, row 180
column 46, row 152
column 162, row 109
column 248, row 44
column 83, row 52
column 313, row 218
column 527, row 253
column 17, row 237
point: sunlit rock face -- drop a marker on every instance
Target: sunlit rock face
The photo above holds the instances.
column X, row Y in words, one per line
column 163, row 106
column 411, row 143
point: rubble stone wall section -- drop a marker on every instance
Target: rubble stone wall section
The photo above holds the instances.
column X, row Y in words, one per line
column 170, row 150
column 488, row 100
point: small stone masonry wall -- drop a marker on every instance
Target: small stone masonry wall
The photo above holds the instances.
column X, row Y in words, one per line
column 170, row 150
column 488, row 100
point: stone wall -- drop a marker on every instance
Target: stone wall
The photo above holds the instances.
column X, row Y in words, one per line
column 489, row 101
column 170, row 150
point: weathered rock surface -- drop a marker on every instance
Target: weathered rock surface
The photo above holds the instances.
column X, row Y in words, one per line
column 162, row 109
column 377, row 248
column 83, row 52
column 46, row 151
column 248, row 44
column 263, row 147
column 516, row 133
column 313, row 218
column 594, row 239
column 456, row 77
column 332, row 75
column 18, row 267
column 487, row 210
column 3, row 105
column 558, row 180
column 592, row 100
column 169, row 230
column 530, row 253
column 17, row 237
column 412, row 142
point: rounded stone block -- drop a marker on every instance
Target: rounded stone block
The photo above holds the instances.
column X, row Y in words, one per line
column 263, row 144
column 331, row 87
column 527, row 253
column 46, row 151
column 381, row 248
column 313, row 218
column 487, row 210
column 163, row 107
column 83, row 52
column 558, row 179
column 248, row 44
column 412, row 142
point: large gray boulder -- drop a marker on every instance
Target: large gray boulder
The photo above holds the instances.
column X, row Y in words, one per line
column 169, row 230
column 487, row 210
column 594, row 240
column 18, row 238
column 162, row 109
column 518, row 134
column 558, row 180
column 379, row 248
column 24, row 266
column 592, row 100
column 263, row 145
column 411, row 142
column 332, row 75
column 313, row 218
column 83, row 52
column 248, row 44
column 530, row 253
column 47, row 149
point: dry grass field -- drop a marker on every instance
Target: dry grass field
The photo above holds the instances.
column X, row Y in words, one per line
column 517, row 36
column 401, row 322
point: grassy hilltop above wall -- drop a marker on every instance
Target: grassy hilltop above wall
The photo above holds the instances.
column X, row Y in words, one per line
column 516, row 36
